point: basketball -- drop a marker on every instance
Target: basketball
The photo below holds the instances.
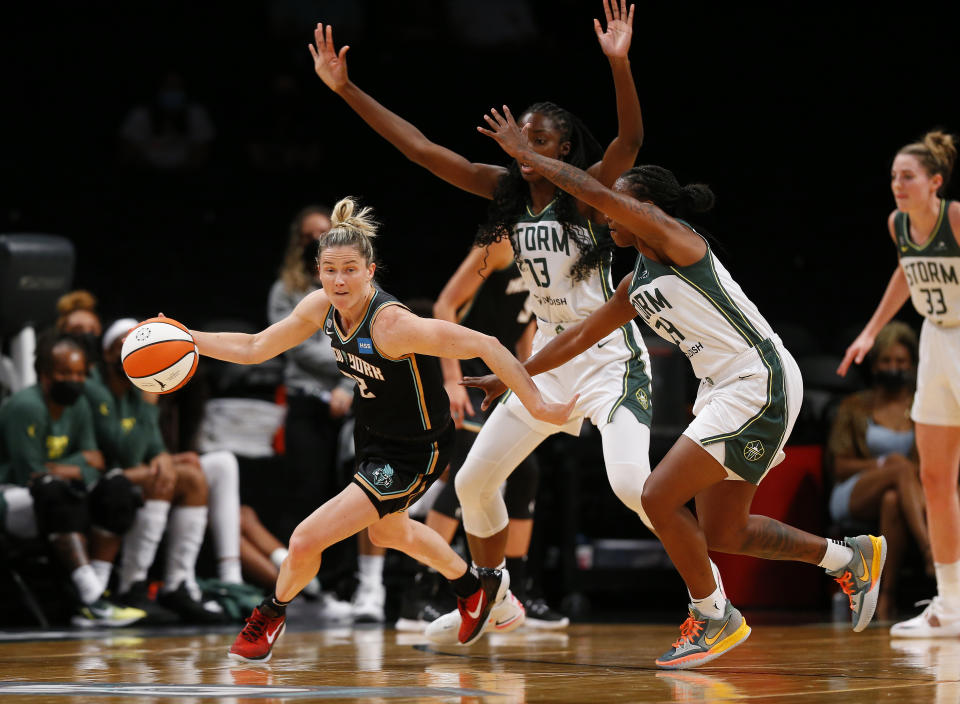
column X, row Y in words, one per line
column 159, row 355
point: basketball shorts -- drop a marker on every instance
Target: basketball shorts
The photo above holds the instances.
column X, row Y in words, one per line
column 744, row 415
column 937, row 400
column 394, row 473
column 614, row 372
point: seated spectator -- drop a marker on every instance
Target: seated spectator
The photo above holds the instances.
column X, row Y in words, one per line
column 174, row 488
column 874, row 457
column 52, row 481
column 77, row 317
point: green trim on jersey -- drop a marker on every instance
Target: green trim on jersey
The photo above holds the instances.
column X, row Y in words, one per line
column 743, row 450
column 901, row 222
column 545, row 209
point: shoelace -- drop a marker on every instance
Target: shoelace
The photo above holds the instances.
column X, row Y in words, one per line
column 689, row 631
column 846, row 584
column 254, row 628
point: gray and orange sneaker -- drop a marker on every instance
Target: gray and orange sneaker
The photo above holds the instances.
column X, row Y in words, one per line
column 703, row 639
column 860, row 578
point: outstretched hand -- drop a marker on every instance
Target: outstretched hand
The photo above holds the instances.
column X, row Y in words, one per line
column 329, row 65
column 615, row 41
column 504, row 130
column 556, row 413
column 489, row 384
column 856, row 352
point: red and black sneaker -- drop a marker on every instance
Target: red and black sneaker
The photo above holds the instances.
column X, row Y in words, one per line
column 475, row 609
column 256, row 640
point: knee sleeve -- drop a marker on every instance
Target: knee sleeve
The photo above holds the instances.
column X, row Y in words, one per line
column 626, row 454
column 222, row 471
column 114, row 502
column 521, row 493
column 60, row 505
column 503, row 442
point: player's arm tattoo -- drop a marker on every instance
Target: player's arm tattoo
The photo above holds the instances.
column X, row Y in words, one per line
column 772, row 540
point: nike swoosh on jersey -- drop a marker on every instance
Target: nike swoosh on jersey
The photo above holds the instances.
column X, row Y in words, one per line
column 711, row 641
column 601, row 344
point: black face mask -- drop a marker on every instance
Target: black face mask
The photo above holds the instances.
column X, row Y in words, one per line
column 90, row 344
column 66, row 393
column 891, row 380
column 310, row 251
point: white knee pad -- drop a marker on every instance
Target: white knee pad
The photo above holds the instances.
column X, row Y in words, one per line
column 503, row 442
column 626, row 455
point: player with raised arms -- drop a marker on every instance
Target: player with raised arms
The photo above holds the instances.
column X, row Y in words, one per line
column 749, row 397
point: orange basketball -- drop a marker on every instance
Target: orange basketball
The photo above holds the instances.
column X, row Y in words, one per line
column 159, row 355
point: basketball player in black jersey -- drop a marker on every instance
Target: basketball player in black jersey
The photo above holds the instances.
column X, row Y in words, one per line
column 403, row 435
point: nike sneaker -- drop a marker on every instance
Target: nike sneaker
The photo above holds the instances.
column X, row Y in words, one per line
column 505, row 616
column 475, row 609
column 540, row 615
column 255, row 642
column 104, row 613
column 703, row 639
column 936, row 621
column 860, row 578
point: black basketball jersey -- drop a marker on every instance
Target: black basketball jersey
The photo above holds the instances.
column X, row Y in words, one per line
column 401, row 399
column 498, row 308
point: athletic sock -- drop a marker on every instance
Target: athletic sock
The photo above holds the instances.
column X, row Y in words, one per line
column 185, row 529
column 141, row 541
column 222, row 473
column 103, row 569
column 273, row 607
column 837, row 556
column 87, row 582
column 517, row 567
column 370, row 568
column 948, row 584
column 717, row 580
column 466, row 584
column 712, row 606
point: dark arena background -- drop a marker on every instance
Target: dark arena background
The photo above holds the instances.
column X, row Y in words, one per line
column 791, row 112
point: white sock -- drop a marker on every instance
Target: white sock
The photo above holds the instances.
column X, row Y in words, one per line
column 87, row 583
column 370, row 569
column 103, row 569
column 185, row 530
column 141, row 541
column 948, row 584
column 837, row 557
column 717, row 580
column 278, row 556
column 223, row 478
column 711, row 606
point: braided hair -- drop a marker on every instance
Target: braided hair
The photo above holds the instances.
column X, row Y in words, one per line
column 512, row 194
column 661, row 187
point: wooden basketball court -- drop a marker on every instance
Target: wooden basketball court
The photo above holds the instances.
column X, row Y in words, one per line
column 586, row 663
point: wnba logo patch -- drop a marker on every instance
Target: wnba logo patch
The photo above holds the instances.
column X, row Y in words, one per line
column 365, row 344
column 753, row 450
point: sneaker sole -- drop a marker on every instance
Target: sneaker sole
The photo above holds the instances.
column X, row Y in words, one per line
column 409, row 625
column 240, row 658
column 541, row 625
column 724, row 646
column 869, row 605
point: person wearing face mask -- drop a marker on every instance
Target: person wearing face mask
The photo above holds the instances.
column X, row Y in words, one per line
column 77, row 317
column 872, row 451
column 52, row 483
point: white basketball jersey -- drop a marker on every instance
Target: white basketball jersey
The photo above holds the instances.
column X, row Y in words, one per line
column 545, row 256
column 699, row 308
column 931, row 269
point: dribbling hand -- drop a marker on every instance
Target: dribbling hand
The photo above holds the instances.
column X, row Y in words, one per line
column 329, row 65
column 505, row 132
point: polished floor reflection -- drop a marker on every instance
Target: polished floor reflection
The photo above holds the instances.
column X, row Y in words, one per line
column 587, row 663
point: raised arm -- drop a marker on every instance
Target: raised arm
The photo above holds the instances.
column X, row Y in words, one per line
column 649, row 223
column 615, row 43
column 331, row 66
column 398, row 332
column 242, row 348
